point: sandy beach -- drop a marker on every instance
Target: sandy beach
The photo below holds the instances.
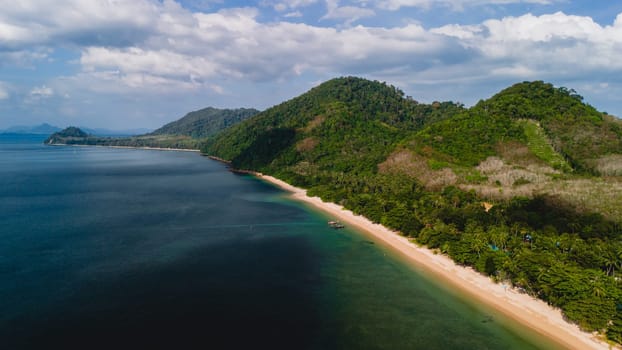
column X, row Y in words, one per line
column 527, row 310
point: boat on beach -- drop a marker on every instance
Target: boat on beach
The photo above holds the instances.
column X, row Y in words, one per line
column 335, row 224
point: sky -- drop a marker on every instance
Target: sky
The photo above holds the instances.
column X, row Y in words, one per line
column 123, row 64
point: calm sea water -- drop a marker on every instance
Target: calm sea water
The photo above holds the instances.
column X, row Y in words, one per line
column 133, row 249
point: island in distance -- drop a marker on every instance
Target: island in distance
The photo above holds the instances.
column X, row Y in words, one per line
column 189, row 132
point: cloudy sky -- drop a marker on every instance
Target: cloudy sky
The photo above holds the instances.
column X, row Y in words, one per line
column 141, row 63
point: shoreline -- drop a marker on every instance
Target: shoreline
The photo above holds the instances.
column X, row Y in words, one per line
column 128, row 147
column 533, row 313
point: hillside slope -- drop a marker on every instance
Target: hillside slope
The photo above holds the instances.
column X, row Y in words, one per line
column 509, row 186
column 189, row 132
column 344, row 125
column 205, row 122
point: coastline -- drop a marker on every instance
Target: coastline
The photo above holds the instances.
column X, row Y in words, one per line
column 128, row 147
column 531, row 312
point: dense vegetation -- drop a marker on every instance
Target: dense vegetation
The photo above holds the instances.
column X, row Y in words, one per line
column 357, row 121
column 189, row 132
column 425, row 170
column 577, row 130
column 205, row 122
column 75, row 136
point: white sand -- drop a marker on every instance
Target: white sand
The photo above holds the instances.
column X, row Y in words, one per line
column 527, row 310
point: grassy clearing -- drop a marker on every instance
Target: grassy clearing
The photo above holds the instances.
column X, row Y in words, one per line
column 593, row 195
column 610, row 165
column 539, row 144
column 504, row 181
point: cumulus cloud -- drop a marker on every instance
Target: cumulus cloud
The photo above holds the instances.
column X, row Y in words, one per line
column 113, row 23
column 230, row 44
column 150, row 45
column 548, row 44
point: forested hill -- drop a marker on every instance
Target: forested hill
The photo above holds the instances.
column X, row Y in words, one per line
column 345, row 124
column 525, row 186
column 189, row 132
column 205, row 122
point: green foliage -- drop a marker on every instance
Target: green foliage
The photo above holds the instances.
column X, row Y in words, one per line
column 265, row 148
column 358, row 122
column 332, row 139
column 538, row 143
column 68, row 137
column 469, row 137
column 188, row 132
column 577, row 130
column 205, row 122
column 70, row 133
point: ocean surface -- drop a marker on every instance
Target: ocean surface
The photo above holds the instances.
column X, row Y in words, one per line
column 106, row 248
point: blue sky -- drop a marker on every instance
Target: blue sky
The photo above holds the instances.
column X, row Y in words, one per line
column 141, row 63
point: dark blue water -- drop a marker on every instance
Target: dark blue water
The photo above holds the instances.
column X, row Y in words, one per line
column 115, row 248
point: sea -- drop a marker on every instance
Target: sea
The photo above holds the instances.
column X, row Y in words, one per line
column 104, row 248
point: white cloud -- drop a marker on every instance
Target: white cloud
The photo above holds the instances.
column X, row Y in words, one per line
column 204, row 48
column 295, row 14
column 39, row 22
column 154, row 62
column 348, row 13
column 547, row 44
column 198, row 50
column 41, row 92
column 283, row 5
column 38, row 94
column 148, row 45
column 23, row 58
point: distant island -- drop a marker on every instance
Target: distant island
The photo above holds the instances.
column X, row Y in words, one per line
column 47, row 129
column 525, row 187
column 41, row 129
column 189, row 132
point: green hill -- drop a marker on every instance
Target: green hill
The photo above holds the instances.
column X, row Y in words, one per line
column 344, row 125
column 577, row 130
column 189, row 132
column 205, row 122
column 67, row 135
column 511, row 186
column 574, row 130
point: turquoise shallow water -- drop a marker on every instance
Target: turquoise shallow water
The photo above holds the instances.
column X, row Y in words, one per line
column 117, row 248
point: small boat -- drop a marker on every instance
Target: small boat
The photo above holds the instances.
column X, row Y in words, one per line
column 335, row 224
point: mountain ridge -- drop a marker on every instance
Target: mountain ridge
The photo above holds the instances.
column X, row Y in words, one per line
column 187, row 132
column 43, row 128
column 511, row 186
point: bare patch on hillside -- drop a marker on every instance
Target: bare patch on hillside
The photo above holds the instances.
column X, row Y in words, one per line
column 504, row 181
column 592, row 195
column 406, row 163
column 314, row 123
column 610, row 165
column 514, row 152
column 307, row 144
